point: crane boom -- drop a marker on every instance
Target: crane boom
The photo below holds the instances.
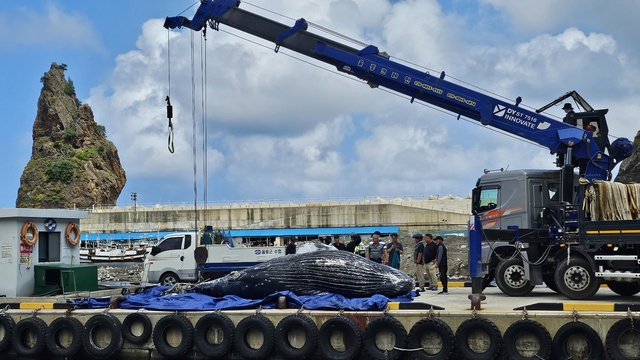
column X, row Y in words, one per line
column 574, row 145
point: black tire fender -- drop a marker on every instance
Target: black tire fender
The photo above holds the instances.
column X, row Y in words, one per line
column 594, row 349
column 34, row 325
column 426, row 326
column 201, row 339
column 533, row 328
column 109, row 323
column 296, row 322
column 352, row 338
column 133, row 320
column 474, row 325
column 64, row 325
column 173, row 321
column 241, row 340
column 6, row 327
column 377, row 325
column 624, row 331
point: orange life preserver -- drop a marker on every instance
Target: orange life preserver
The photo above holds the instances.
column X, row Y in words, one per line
column 72, row 228
column 29, row 233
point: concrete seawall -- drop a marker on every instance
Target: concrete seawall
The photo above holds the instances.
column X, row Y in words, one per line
column 431, row 214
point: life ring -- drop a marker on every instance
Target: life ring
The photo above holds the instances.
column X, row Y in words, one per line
column 69, row 326
column 36, row 346
column 296, row 323
column 436, row 350
column 381, row 324
column 473, row 326
column 522, row 328
column 6, row 326
column 620, row 343
column 205, row 326
column 90, row 340
column 131, row 324
column 29, row 234
column 575, row 334
column 352, row 338
column 254, row 322
column 173, row 321
column 72, row 234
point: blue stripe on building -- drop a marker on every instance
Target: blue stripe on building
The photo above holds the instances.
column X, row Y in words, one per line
column 247, row 233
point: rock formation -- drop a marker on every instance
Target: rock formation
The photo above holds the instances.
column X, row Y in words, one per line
column 630, row 168
column 72, row 163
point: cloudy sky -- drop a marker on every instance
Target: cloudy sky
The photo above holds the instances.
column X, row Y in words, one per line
column 280, row 127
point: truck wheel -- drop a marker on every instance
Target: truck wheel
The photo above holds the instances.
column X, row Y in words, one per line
column 624, row 288
column 511, row 279
column 575, row 279
column 169, row 279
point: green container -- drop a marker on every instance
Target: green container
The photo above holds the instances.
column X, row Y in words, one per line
column 66, row 278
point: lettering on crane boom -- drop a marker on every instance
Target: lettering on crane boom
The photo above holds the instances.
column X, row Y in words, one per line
column 520, row 118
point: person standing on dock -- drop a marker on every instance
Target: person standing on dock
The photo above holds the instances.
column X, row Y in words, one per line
column 375, row 250
column 418, row 251
column 394, row 250
column 291, row 247
column 430, row 253
column 441, row 264
column 337, row 244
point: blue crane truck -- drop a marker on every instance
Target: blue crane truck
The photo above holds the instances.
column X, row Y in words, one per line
column 529, row 227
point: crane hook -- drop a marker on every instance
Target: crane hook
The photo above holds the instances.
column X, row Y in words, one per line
column 170, row 116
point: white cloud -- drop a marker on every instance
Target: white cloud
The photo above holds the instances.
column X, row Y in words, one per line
column 52, row 28
column 281, row 128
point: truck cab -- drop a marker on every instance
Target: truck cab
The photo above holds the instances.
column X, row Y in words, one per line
column 191, row 256
column 171, row 260
column 522, row 205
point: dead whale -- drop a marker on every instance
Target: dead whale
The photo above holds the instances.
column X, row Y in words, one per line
column 338, row 272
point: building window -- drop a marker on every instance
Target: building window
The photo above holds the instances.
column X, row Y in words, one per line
column 48, row 246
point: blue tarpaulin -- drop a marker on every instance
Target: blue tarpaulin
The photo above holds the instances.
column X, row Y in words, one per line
column 152, row 299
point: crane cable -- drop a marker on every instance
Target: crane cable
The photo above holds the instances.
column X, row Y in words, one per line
column 193, row 129
column 168, row 98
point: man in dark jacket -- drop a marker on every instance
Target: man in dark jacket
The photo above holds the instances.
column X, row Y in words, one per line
column 441, row 264
column 418, row 252
column 291, row 247
column 354, row 243
column 430, row 253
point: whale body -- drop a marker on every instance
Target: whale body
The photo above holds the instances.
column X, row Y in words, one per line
column 318, row 272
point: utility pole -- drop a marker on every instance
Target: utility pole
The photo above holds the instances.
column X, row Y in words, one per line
column 134, row 198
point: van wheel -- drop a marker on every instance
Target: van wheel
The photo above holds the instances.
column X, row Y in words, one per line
column 511, row 279
column 169, row 279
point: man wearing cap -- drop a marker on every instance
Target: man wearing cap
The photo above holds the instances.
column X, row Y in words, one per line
column 441, row 264
column 430, row 253
column 418, row 250
column 569, row 119
column 354, row 243
column 394, row 250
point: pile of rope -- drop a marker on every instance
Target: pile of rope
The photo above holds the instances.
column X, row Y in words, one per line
column 605, row 200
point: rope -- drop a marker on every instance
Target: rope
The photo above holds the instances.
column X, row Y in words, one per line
column 605, row 200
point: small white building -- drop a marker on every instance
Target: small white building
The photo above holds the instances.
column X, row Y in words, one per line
column 35, row 236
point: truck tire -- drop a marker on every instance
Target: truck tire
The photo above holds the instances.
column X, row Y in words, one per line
column 624, row 288
column 575, row 279
column 510, row 278
column 169, row 279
